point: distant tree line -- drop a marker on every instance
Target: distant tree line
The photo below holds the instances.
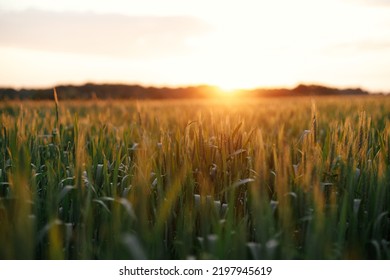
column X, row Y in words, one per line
column 310, row 90
column 120, row 91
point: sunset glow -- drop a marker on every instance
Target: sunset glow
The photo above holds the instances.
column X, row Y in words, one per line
column 230, row 44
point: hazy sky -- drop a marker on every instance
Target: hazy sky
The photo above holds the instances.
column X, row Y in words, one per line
column 232, row 44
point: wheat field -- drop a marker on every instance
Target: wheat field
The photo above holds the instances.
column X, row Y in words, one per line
column 275, row 178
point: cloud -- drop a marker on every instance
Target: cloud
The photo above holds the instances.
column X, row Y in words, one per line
column 99, row 34
column 361, row 46
column 374, row 45
column 378, row 2
column 372, row 2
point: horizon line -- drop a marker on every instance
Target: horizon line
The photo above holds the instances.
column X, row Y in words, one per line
column 190, row 85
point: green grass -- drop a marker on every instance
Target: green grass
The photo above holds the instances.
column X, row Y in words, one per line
column 255, row 179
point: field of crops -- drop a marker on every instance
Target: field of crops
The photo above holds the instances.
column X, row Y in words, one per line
column 288, row 178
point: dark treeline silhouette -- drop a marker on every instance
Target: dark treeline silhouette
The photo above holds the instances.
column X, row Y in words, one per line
column 106, row 91
column 308, row 90
column 120, row 91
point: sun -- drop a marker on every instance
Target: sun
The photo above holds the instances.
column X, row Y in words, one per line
column 229, row 92
column 226, row 92
column 230, row 83
column 228, row 89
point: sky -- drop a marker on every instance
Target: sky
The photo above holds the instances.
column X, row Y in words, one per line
column 231, row 44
